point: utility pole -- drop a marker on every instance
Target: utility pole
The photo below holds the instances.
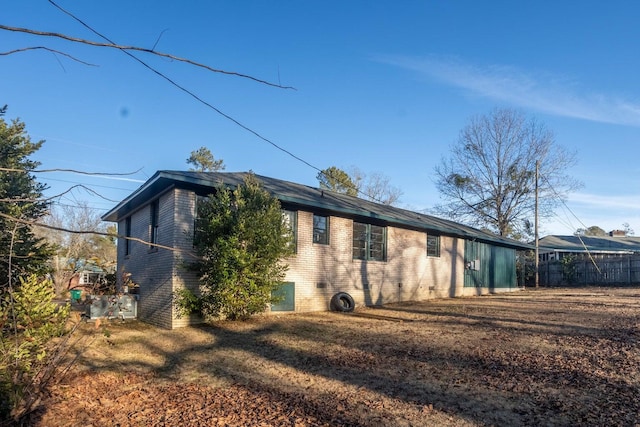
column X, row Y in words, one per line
column 537, row 261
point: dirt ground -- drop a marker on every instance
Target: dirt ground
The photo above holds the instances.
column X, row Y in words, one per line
column 534, row 357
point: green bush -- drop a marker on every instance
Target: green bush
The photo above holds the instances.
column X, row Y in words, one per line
column 241, row 237
column 30, row 319
column 569, row 268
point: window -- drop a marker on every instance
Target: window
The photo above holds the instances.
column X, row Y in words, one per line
column 321, row 229
column 154, row 221
column 369, row 242
column 127, row 234
column 290, row 218
column 89, row 278
column 198, row 221
column 433, row 246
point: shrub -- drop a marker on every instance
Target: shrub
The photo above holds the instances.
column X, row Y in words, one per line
column 30, row 319
column 241, row 237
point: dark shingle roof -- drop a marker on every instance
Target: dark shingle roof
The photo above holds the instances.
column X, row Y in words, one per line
column 297, row 195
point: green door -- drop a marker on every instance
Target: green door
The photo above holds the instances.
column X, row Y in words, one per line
column 286, row 294
column 476, row 260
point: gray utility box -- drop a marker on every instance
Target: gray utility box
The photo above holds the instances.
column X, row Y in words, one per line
column 113, row 307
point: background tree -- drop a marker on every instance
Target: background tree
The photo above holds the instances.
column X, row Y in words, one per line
column 29, row 318
column 489, row 179
column 203, row 161
column 75, row 252
column 21, row 202
column 375, row 187
column 594, row 231
column 335, row 179
column 242, row 239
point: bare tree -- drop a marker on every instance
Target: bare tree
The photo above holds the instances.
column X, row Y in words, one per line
column 74, row 251
column 376, row 187
column 489, row 180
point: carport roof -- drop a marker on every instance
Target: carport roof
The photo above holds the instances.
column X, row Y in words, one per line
column 602, row 244
column 292, row 195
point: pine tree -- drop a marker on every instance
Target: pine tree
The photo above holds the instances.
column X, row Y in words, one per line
column 29, row 317
column 203, row 161
column 21, row 252
column 335, row 179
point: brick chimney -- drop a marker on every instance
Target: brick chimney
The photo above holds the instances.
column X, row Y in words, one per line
column 617, row 233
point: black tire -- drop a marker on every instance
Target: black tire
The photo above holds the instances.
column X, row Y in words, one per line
column 343, row 302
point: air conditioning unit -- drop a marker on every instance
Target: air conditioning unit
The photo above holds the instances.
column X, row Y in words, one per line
column 113, row 307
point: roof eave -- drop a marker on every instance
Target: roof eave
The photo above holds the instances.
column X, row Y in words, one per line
column 163, row 179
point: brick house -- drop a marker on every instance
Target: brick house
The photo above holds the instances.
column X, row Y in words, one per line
column 378, row 254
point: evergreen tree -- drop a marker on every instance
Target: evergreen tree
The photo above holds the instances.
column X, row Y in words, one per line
column 29, row 318
column 203, row 161
column 21, row 252
column 335, row 179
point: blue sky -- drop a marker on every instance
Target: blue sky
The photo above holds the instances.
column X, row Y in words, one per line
column 385, row 86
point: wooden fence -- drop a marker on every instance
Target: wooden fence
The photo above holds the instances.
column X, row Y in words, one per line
column 624, row 270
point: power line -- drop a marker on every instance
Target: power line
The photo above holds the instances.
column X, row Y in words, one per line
column 124, row 50
column 80, row 206
column 589, row 254
column 185, row 90
column 93, row 185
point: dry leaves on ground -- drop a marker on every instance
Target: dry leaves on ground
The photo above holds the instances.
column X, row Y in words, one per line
column 547, row 357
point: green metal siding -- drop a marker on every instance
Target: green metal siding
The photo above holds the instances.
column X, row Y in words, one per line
column 288, row 291
column 488, row 266
column 504, row 260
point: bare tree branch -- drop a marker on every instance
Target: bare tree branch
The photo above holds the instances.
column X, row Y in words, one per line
column 127, row 49
column 25, row 49
column 70, row 170
column 139, row 49
column 158, row 39
column 165, row 77
column 96, row 233
column 47, row 199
